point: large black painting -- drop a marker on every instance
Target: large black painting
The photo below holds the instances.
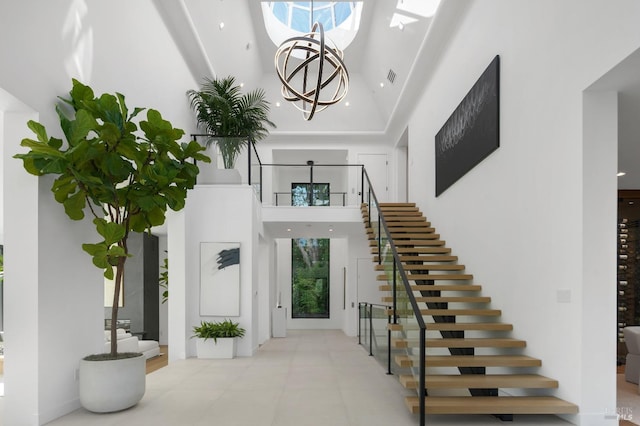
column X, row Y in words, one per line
column 472, row 132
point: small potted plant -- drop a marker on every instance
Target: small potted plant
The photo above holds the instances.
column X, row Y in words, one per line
column 217, row 339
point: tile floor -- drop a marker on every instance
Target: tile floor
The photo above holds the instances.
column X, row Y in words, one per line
column 309, row 378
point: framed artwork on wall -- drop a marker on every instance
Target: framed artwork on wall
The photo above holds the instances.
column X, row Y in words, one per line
column 220, row 279
column 472, row 132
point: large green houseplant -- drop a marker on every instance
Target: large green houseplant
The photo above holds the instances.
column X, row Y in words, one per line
column 231, row 119
column 126, row 174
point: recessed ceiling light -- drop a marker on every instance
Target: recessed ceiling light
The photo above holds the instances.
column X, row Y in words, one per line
column 241, row 84
column 330, row 229
column 381, row 84
column 221, row 25
column 347, row 104
column 278, row 104
column 621, row 174
column 288, row 229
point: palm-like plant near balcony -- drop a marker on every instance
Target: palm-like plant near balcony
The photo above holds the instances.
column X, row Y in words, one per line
column 230, row 118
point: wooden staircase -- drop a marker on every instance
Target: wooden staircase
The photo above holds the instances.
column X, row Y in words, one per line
column 453, row 310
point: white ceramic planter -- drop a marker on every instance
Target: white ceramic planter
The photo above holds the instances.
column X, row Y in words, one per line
column 223, row 348
column 211, row 174
column 108, row 386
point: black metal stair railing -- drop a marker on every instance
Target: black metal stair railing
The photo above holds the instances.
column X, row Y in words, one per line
column 405, row 311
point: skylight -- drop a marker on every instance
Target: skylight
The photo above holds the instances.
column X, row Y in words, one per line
column 340, row 20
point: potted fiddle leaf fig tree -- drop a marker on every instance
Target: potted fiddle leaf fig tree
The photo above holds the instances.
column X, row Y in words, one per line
column 230, row 118
column 125, row 173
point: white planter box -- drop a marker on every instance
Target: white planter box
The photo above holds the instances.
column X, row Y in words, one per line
column 223, row 348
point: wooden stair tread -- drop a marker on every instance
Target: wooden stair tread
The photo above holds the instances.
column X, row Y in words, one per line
column 395, row 213
column 408, row 258
column 431, row 277
column 470, row 361
column 455, row 326
column 422, row 228
column 424, row 258
column 456, row 312
column 491, row 405
column 423, row 250
column 434, row 267
column 472, row 342
column 400, row 220
column 446, row 299
column 437, row 287
column 418, row 243
column 417, row 235
column 396, row 204
column 477, row 381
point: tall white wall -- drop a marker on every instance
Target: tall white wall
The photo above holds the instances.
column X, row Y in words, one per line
column 222, row 213
column 57, row 316
column 520, row 219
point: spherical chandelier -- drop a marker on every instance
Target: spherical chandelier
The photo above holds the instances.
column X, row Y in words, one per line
column 309, row 67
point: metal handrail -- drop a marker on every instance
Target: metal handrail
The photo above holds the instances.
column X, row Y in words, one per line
column 414, row 304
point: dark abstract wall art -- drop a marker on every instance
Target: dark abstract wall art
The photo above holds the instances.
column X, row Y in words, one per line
column 472, row 132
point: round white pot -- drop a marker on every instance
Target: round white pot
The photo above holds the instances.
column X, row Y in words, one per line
column 114, row 385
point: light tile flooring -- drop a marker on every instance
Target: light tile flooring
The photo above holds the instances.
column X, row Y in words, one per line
column 309, row 378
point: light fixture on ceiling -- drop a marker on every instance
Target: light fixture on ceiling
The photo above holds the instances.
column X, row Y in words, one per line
column 221, row 25
column 318, row 65
column 621, row 174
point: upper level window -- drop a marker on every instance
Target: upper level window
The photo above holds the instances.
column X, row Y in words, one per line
column 340, row 20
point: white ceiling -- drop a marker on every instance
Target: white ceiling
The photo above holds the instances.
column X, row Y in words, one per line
column 375, row 115
column 243, row 49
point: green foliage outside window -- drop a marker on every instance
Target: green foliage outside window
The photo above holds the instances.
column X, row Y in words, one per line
column 310, row 278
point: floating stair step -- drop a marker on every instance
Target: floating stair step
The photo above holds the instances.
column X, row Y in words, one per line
column 421, row 228
column 418, row 243
column 423, row 250
column 411, row 267
column 480, row 381
column 479, row 342
column 414, row 235
column 408, row 258
column 402, row 219
column 397, row 204
column 491, row 405
column 445, row 299
column 431, row 277
column 455, row 326
column 437, row 287
column 373, row 241
column 439, row 277
column 399, row 209
column 406, row 361
column 451, row 312
column 461, row 312
column 391, row 214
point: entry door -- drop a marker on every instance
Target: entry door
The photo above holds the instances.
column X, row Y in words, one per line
column 377, row 169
